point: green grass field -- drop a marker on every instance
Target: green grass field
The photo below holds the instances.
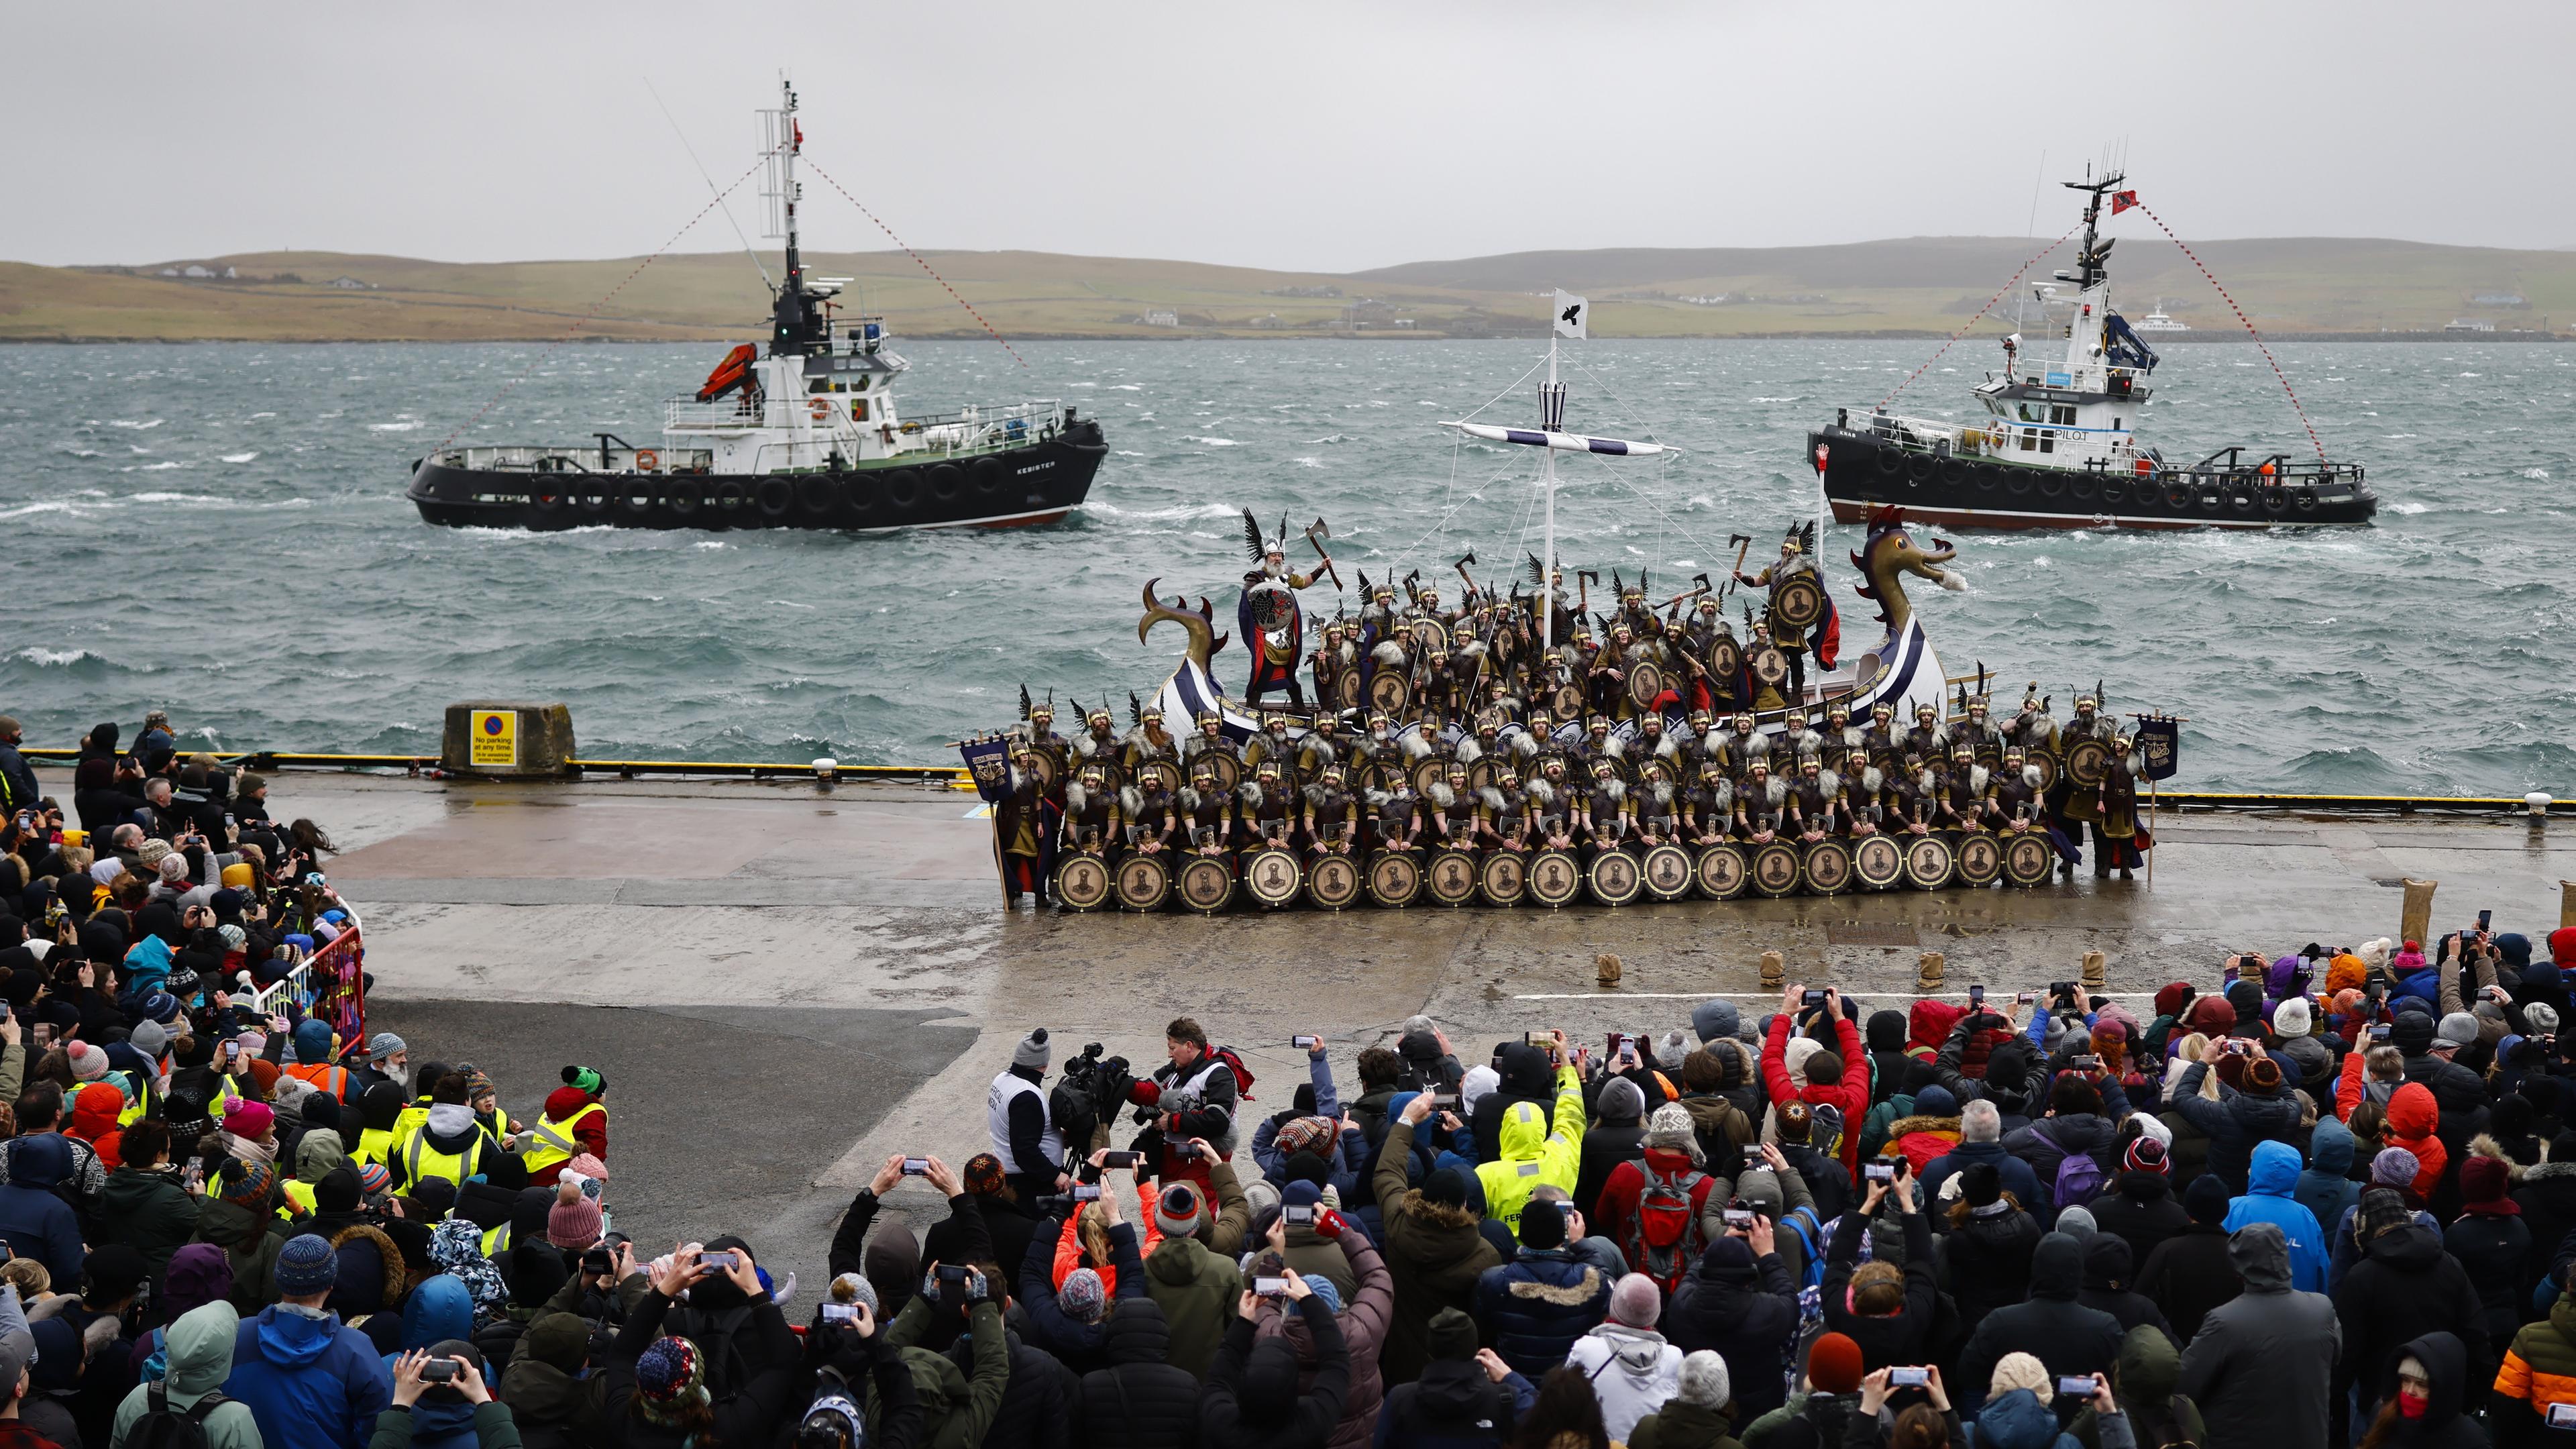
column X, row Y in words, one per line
column 1924, row 285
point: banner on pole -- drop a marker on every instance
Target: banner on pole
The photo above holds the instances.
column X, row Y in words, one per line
column 2160, row 742
column 989, row 762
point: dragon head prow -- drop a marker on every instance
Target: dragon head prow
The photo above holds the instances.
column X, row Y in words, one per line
column 1201, row 631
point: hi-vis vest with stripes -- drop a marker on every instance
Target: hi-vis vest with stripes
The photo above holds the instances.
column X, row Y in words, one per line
column 555, row 1141
column 422, row 1161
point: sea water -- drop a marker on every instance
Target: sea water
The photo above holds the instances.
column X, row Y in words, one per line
column 220, row 531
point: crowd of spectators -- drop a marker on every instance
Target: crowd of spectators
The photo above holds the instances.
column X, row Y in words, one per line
column 2325, row 1198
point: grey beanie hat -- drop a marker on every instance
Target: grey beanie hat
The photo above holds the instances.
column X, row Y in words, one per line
column 2457, row 1029
column 149, row 1037
column 1032, row 1051
column 384, row 1044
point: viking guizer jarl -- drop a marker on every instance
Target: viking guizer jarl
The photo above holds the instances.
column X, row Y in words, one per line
column 807, row 437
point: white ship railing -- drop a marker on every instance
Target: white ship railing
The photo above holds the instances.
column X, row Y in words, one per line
column 572, row 459
column 682, row 415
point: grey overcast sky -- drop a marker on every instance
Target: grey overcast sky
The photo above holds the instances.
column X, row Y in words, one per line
column 1319, row 135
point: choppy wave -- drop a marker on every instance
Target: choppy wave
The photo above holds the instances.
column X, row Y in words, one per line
column 2308, row 661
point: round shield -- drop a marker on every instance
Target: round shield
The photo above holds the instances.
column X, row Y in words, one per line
column 1394, row 879
column 1770, row 665
column 1980, row 858
column 1721, row 873
column 1206, row 884
column 1389, row 690
column 1774, row 868
column 1878, row 861
column 1452, row 877
column 1273, row 605
column 2088, row 763
column 1229, row 770
column 1430, row 635
column 2028, row 859
column 1333, row 882
column 1798, row 602
column 1567, row 703
column 2046, row 764
column 1828, row 869
column 1645, row 684
column 1614, row 878
column 1048, row 769
column 1428, row 771
column 1927, row 862
column 1667, row 871
column 1082, row 882
column 1553, row 878
column 1502, row 877
column 1724, row 658
column 1346, row 689
column 1481, row 773
column 1143, row 882
column 1271, row 876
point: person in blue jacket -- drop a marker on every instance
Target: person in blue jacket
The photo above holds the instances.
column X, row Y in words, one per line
column 2272, row 1182
column 310, row 1382
column 33, row 1221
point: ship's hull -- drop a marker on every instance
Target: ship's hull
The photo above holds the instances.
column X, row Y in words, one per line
column 1863, row 472
column 1011, row 488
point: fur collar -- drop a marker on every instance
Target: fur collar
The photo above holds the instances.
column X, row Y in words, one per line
column 1440, row 795
column 1076, row 798
column 1941, row 1126
column 1576, row 1294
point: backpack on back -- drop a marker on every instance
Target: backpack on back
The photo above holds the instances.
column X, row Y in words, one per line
column 2080, row 1178
column 163, row 1427
column 1801, row 1220
column 1666, row 1238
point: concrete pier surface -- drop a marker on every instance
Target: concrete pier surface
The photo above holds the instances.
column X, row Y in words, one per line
column 785, row 986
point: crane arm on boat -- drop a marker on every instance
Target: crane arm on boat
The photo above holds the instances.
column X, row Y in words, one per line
column 1561, row 442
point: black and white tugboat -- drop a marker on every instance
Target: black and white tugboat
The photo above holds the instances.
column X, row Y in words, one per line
column 2056, row 449
column 806, row 437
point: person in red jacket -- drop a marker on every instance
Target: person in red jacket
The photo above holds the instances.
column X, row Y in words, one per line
column 1829, row 1080
column 1673, row 1155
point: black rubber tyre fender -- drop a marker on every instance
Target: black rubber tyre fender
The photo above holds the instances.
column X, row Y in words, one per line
column 775, row 496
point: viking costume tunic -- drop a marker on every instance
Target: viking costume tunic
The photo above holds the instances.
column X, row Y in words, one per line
column 1398, row 814
column 2118, row 842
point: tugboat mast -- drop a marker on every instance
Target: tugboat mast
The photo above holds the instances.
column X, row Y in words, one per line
column 2088, row 258
column 797, row 326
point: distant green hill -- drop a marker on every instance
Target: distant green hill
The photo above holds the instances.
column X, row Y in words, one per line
column 1915, row 285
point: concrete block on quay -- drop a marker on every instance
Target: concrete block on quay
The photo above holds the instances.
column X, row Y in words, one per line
column 507, row 739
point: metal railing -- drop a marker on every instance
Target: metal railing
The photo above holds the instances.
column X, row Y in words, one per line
column 685, row 414
column 573, row 460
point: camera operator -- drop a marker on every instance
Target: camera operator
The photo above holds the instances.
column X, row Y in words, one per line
column 1025, row 1135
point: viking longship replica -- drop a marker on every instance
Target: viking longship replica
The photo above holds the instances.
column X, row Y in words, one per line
column 2055, row 445
column 808, row 436
column 1520, row 747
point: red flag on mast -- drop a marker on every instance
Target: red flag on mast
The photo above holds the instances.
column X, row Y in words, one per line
column 2122, row 201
